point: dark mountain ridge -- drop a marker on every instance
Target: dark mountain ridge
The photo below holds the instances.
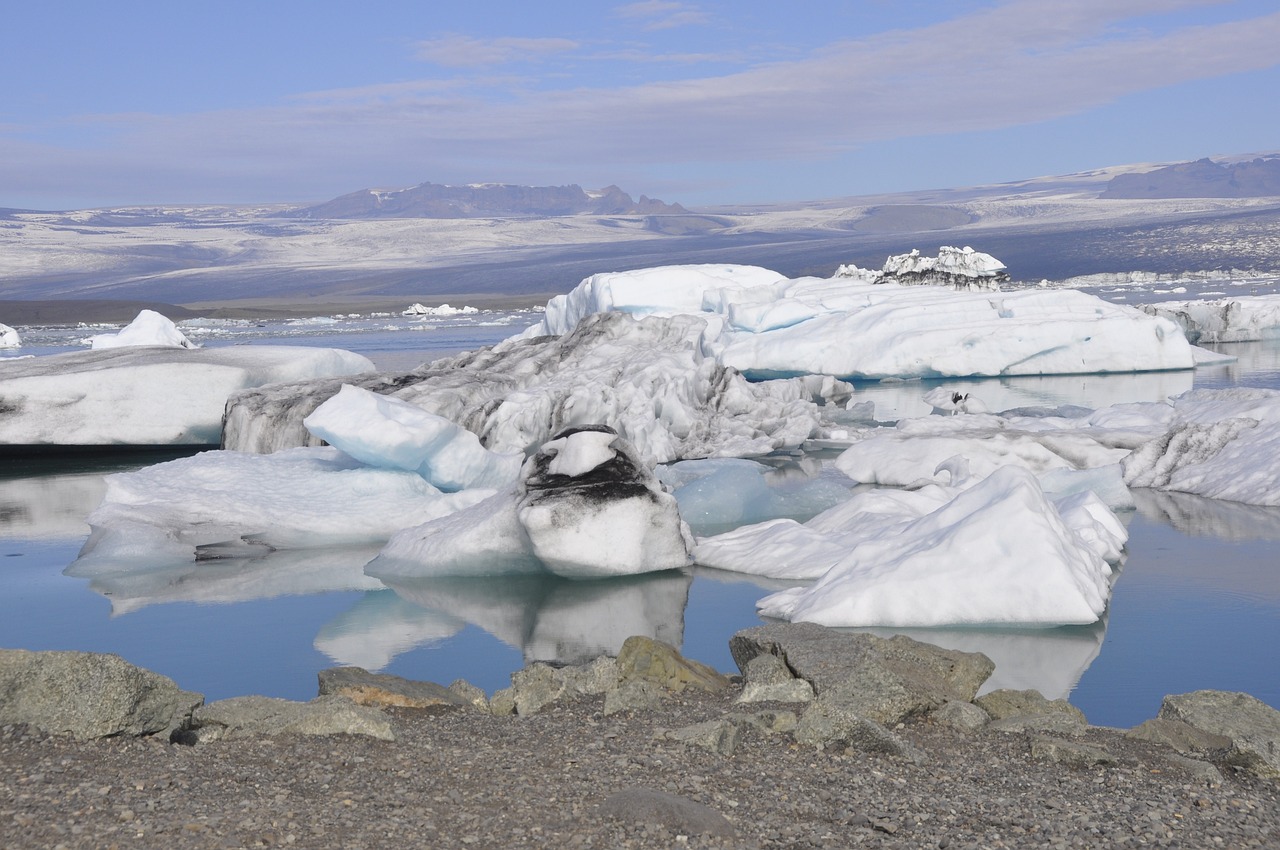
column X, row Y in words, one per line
column 1204, row 178
column 485, row 200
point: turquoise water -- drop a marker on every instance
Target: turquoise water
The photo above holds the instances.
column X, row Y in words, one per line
column 1196, row 605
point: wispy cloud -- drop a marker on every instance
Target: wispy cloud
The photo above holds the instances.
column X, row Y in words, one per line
column 1015, row 63
column 461, row 51
column 663, row 14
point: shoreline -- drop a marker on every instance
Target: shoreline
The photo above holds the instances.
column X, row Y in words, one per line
column 57, row 312
column 685, row 767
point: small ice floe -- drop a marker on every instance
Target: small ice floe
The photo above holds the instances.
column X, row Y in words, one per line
column 148, row 328
column 9, row 337
column 586, row 507
column 944, row 400
column 442, row 310
column 386, row 432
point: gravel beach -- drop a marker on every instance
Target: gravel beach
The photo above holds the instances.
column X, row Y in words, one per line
column 471, row 779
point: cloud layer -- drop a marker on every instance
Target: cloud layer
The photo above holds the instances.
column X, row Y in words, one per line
column 509, row 108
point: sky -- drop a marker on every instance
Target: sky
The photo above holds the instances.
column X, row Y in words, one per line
column 705, row 102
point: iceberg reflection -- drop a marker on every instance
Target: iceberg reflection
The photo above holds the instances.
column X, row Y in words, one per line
column 558, row 620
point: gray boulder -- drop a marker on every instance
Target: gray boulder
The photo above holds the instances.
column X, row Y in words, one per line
column 1070, row 753
column 255, row 716
column 632, row 696
column 830, row 722
column 1029, row 711
column 382, row 691
column 677, row 814
column 1252, row 726
column 662, row 664
column 538, row 685
column 964, row 716
column 718, row 736
column 768, row 679
column 89, row 695
column 885, row 680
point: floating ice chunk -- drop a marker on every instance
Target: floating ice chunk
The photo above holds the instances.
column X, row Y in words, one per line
column 998, row 553
column 1093, row 522
column 720, row 494
column 9, row 337
column 485, row 539
column 1223, row 444
column 298, row 499
column 147, row 396
column 610, row 517
column 786, row 549
column 613, row 519
column 442, row 310
column 386, row 432
column 148, row 328
column 663, row 291
column 1240, row 319
column 958, row 267
column 945, row 400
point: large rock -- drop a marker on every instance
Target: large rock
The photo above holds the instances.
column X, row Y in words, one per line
column 89, row 695
column 677, row 814
column 830, row 722
column 1026, row 711
column 1252, row 726
column 538, row 685
column 254, row 716
column 882, row 679
column 646, row 659
column 381, row 690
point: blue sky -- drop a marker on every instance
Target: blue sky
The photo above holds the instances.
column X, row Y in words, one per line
column 244, row 101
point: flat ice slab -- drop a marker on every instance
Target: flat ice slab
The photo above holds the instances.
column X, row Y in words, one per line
column 146, row 395
column 856, row 326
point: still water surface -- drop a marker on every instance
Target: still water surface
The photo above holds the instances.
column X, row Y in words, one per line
column 1196, row 605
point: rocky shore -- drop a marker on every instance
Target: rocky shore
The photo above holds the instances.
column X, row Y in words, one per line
column 825, row 739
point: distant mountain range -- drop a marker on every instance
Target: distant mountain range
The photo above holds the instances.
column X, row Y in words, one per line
column 1204, row 178
column 484, row 200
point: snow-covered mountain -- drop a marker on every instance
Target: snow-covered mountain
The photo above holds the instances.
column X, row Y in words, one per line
column 483, row 200
column 379, row 244
column 1204, row 178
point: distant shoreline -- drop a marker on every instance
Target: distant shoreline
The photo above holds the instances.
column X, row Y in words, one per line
column 70, row 311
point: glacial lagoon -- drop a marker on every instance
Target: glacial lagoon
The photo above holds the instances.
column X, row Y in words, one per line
column 1196, row 604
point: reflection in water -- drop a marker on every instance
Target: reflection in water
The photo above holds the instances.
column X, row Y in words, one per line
column 899, row 399
column 1201, row 517
column 558, row 620
column 49, row 507
column 381, row 626
column 1050, row 661
column 284, row 573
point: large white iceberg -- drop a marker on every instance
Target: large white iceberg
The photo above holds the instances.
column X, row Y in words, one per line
column 387, row 432
column 146, row 395
column 223, row 504
column 860, row 327
column 1224, row 444
column 148, row 328
column 998, row 553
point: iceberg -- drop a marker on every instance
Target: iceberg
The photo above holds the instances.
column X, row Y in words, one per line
column 1240, row 319
column 223, row 504
column 146, row 395
column 443, row 310
column 386, row 432
column 587, row 507
column 960, row 268
column 858, row 326
column 961, row 565
column 645, row 378
column 1223, row 444
column 9, row 337
column 149, row 328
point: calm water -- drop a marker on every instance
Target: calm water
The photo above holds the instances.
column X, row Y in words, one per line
column 1196, row 605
